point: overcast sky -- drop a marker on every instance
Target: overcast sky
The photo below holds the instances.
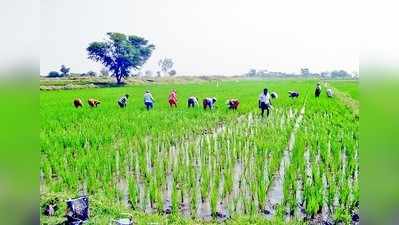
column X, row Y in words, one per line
column 207, row 36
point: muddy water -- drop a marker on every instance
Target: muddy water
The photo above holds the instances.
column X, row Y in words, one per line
column 275, row 194
column 325, row 211
column 122, row 187
column 240, row 197
column 167, row 208
column 205, row 210
column 185, row 206
column 149, row 209
column 140, row 185
column 121, row 183
column 222, row 212
column 238, row 169
column 42, row 183
column 197, row 180
column 300, row 210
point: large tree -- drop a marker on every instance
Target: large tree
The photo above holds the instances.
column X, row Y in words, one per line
column 64, row 70
column 121, row 53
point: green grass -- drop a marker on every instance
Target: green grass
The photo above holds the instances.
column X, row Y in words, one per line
column 99, row 146
column 347, row 86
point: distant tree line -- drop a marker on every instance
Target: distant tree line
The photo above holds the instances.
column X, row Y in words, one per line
column 304, row 72
column 64, row 71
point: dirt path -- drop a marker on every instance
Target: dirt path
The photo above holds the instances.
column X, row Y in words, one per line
column 275, row 194
column 347, row 100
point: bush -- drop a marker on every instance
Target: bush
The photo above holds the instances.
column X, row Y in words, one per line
column 91, row 74
column 54, row 74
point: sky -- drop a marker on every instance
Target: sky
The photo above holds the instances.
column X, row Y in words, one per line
column 207, row 37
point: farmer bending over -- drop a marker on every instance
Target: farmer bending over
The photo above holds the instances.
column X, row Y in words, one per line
column 122, row 102
column 264, row 102
column 274, row 95
column 172, row 99
column 293, row 94
column 233, row 104
column 78, row 103
column 209, row 102
column 148, row 100
column 330, row 92
column 93, row 102
column 192, row 101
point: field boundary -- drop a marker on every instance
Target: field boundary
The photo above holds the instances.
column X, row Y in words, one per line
column 79, row 82
column 346, row 99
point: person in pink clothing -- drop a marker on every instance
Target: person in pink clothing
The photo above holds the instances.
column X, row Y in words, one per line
column 172, row 99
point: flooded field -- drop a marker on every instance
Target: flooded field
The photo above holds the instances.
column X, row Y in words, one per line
column 188, row 166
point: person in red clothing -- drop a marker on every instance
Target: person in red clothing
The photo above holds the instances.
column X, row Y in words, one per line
column 78, row 103
column 172, row 99
column 233, row 103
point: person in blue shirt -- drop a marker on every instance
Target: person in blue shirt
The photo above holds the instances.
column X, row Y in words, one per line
column 148, row 100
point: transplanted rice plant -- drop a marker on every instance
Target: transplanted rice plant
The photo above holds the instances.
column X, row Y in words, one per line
column 186, row 165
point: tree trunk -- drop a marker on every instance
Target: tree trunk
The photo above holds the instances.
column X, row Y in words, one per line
column 119, row 79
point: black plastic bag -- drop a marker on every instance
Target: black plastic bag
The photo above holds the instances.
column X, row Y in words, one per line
column 77, row 210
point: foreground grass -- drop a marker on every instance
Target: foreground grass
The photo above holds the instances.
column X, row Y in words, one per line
column 103, row 211
column 350, row 87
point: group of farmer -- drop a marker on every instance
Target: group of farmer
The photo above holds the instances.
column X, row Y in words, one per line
column 264, row 102
column 317, row 92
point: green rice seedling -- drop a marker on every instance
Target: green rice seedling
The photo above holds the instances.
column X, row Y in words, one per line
column 193, row 200
column 205, row 181
column 133, row 193
column 214, row 196
column 175, row 200
column 153, row 193
column 342, row 215
column 228, row 181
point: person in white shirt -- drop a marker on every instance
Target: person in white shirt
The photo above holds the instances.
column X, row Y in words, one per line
column 209, row 102
column 264, row 102
column 122, row 102
column 148, row 100
column 317, row 92
column 330, row 92
column 192, row 101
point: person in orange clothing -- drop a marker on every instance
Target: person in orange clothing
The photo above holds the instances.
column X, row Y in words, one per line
column 93, row 102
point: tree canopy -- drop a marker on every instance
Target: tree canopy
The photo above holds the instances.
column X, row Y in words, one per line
column 64, row 70
column 121, row 53
column 166, row 64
